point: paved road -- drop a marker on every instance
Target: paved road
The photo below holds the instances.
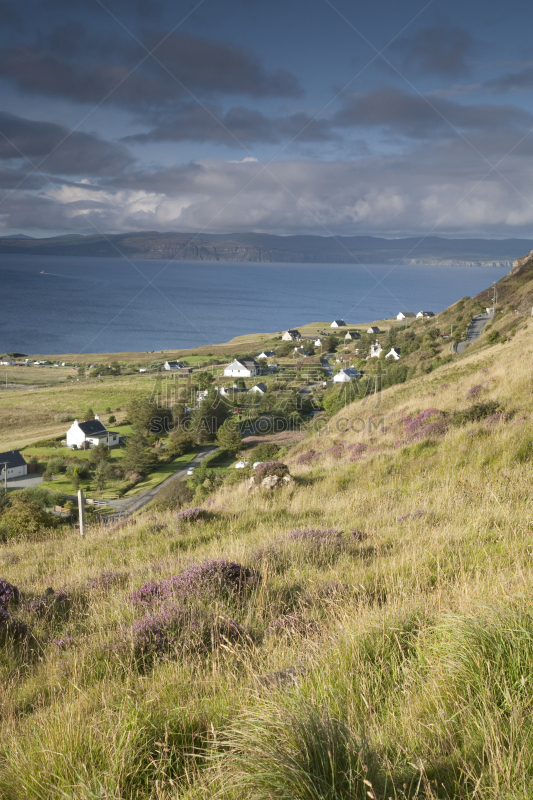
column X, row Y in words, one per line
column 128, row 505
column 24, row 482
column 474, row 330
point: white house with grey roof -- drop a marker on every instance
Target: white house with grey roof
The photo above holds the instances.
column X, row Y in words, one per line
column 13, row 461
column 346, row 375
column 242, row 368
column 90, row 434
column 172, row 366
column 338, row 323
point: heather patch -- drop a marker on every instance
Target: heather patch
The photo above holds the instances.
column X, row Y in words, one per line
column 48, row 603
column 213, row 577
column 357, row 451
column 475, row 390
column 9, row 594
column 336, row 451
column 12, row 629
column 308, row 457
column 176, row 631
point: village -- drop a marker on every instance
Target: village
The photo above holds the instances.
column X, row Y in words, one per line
column 298, row 374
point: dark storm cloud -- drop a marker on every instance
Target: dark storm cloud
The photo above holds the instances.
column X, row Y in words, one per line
column 237, row 126
column 221, row 67
column 440, row 50
column 417, row 117
column 76, row 66
column 17, row 178
column 520, row 81
column 57, row 150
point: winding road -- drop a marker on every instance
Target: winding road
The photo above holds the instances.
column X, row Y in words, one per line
column 474, row 330
column 128, row 505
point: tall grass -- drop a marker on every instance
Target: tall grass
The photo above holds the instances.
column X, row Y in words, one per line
column 412, row 643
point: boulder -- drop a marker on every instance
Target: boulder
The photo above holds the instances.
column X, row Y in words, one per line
column 271, row 475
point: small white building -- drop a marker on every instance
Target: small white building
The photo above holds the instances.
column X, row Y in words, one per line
column 338, row 323
column 292, row 335
column 242, row 368
column 172, row 365
column 318, row 342
column 375, row 350
column 7, row 362
column 14, row 462
column 259, row 388
column 300, row 351
column 394, row 353
column 425, row 315
column 346, row 375
column 266, row 354
column 90, row 434
column 405, row 315
column 351, row 336
column 373, row 329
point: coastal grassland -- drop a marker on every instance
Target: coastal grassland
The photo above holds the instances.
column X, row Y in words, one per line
column 30, row 415
column 410, row 633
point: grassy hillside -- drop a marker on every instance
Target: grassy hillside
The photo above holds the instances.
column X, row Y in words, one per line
column 376, row 642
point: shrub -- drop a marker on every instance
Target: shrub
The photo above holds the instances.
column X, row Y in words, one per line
column 9, row 594
column 112, row 419
column 210, row 577
column 266, row 451
column 493, row 337
column 175, row 631
column 173, row 494
column 475, row 413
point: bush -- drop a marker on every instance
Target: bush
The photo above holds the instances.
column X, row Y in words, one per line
column 493, row 337
column 266, row 451
column 25, row 518
column 173, row 494
column 47, row 443
column 111, row 419
column 475, row 413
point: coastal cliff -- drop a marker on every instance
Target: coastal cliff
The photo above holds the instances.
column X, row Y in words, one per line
column 266, row 248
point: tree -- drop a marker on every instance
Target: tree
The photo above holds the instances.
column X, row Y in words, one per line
column 149, row 418
column 100, row 453
column 111, row 419
column 229, row 436
column 332, row 342
column 138, row 456
column 204, row 380
column 100, row 476
column 89, row 414
column 208, row 417
column 179, row 443
column 173, row 494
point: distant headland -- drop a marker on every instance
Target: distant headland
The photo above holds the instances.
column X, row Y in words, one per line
column 267, row 248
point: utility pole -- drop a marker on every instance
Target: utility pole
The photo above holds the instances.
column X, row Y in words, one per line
column 5, row 463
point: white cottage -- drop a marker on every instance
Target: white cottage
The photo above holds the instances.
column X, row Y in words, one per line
column 90, row 434
column 405, row 315
column 259, row 388
column 242, row 368
column 373, row 329
column 292, row 335
column 375, row 350
column 346, row 375
column 338, row 323
column 172, row 366
column 14, row 462
column 394, row 353
column 425, row 315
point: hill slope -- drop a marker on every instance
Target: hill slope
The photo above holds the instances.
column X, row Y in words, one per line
column 385, row 649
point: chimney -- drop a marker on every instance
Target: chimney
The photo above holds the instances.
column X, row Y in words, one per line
column 97, row 417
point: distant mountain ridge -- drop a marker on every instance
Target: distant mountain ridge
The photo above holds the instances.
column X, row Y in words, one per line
column 259, row 247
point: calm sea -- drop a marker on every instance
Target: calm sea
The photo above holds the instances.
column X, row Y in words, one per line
column 86, row 305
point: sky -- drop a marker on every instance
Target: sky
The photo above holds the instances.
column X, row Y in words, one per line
column 331, row 117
